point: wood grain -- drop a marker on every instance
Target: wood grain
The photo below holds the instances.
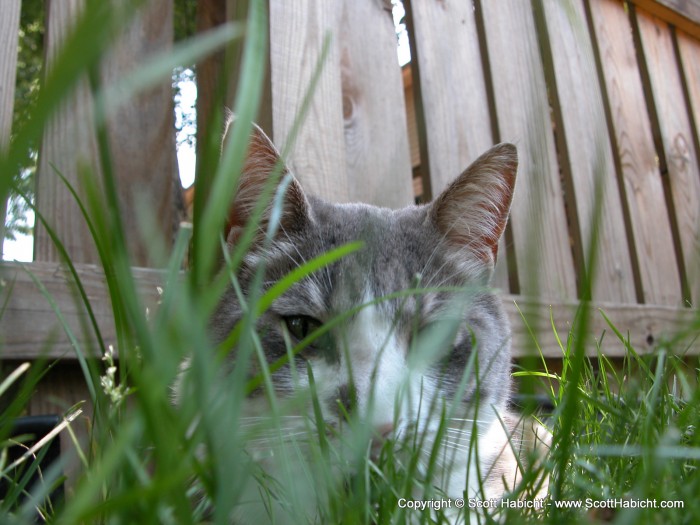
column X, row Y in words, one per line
column 452, row 95
column 585, row 144
column 69, row 146
column 679, row 156
column 30, row 328
column 238, row 11
column 9, row 29
column 644, row 327
column 318, row 157
column 447, row 65
column 376, row 135
column 689, row 49
column 142, row 137
column 635, row 155
column 684, row 14
column 210, row 14
column 28, row 309
column 538, row 219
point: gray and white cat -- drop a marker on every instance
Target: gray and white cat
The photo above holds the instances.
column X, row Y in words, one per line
column 382, row 365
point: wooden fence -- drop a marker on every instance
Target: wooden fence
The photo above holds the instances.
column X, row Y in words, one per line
column 601, row 97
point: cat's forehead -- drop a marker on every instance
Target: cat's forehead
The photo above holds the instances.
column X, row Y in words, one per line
column 379, row 229
column 396, row 244
column 399, row 248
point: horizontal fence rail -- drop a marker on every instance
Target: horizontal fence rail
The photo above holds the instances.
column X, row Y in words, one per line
column 643, row 326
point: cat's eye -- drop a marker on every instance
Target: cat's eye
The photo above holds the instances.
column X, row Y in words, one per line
column 300, row 326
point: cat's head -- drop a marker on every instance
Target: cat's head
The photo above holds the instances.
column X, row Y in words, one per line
column 392, row 348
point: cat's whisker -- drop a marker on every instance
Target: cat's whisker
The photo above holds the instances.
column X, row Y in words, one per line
column 271, row 418
column 275, row 428
column 470, row 420
column 431, row 283
column 432, row 255
column 459, row 445
column 468, row 425
column 466, row 429
column 302, row 260
column 281, row 438
column 266, row 424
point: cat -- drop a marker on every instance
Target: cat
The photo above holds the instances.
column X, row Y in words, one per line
column 394, row 354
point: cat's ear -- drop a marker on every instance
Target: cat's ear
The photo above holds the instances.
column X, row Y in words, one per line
column 262, row 160
column 472, row 212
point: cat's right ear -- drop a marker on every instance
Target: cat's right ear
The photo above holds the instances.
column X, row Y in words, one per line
column 262, row 161
column 472, row 212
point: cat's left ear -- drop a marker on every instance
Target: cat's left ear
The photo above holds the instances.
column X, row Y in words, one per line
column 472, row 212
column 262, row 160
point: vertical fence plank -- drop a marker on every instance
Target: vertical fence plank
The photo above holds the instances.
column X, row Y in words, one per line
column 678, row 157
column 376, row 135
column 210, row 14
column 298, row 32
column 689, row 49
column 447, row 66
column 141, row 138
column 452, row 95
column 9, row 30
column 689, row 52
column 585, row 144
column 635, row 154
column 142, row 134
column 69, row 145
column 682, row 14
column 538, row 218
column 236, row 10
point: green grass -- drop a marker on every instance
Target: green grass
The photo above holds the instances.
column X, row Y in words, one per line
column 623, row 430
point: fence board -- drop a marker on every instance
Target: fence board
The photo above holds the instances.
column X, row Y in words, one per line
column 689, row 54
column 210, row 14
column 318, row 158
column 676, row 135
column 683, row 14
column 585, row 143
column 9, row 29
column 143, row 135
column 376, row 134
column 452, row 95
column 447, row 66
column 69, row 144
column 644, row 326
column 635, row 152
column 27, row 308
column 538, row 219
column 689, row 49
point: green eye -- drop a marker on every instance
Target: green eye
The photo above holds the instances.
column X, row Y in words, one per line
column 300, row 326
